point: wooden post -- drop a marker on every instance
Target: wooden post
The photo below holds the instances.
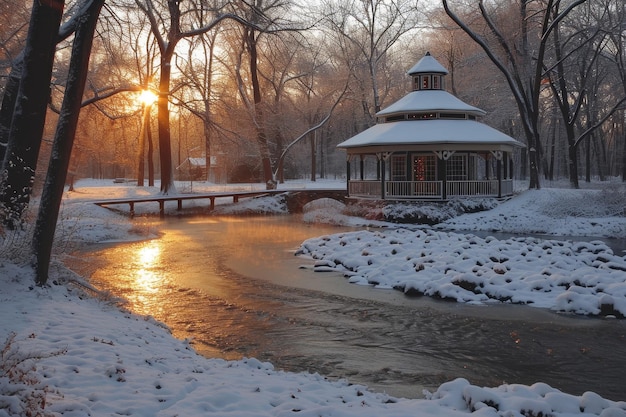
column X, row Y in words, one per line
column 444, row 181
column 362, row 168
column 499, row 168
column 382, row 176
column 348, row 175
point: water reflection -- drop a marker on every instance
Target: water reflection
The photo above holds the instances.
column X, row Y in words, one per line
column 148, row 278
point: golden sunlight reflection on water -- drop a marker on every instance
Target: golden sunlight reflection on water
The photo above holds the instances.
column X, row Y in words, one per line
column 147, row 279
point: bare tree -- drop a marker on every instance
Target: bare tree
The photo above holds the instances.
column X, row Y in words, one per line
column 169, row 24
column 520, row 61
column 28, row 115
column 14, row 18
column 616, row 54
column 579, row 79
column 368, row 30
column 64, row 139
column 197, row 92
column 265, row 20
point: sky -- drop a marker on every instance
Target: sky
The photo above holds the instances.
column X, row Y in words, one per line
column 69, row 350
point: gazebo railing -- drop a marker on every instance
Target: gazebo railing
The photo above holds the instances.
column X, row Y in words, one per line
column 428, row 189
column 408, row 189
column 472, row 188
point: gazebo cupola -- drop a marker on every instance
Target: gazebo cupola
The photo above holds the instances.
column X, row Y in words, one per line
column 429, row 145
column 428, row 74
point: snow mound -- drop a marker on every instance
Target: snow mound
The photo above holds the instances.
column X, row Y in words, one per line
column 575, row 277
column 559, row 212
column 324, row 210
column 256, row 205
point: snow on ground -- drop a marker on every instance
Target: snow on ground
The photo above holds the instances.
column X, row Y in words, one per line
column 67, row 352
column 549, row 211
column 582, row 277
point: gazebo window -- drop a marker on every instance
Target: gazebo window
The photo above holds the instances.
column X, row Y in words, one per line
column 395, row 118
column 458, row 116
column 398, row 168
column 424, row 168
column 436, row 83
column 456, row 168
column 425, row 82
column 421, row 116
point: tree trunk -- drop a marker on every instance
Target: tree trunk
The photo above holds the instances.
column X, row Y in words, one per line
column 264, row 149
column 8, row 104
column 600, row 152
column 313, row 157
column 141, row 157
column 165, row 140
column 588, row 162
column 63, row 142
column 533, row 160
column 573, row 165
column 207, row 148
column 552, row 152
column 20, row 161
column 150, row 156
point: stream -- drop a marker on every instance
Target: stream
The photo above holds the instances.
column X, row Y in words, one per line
column 234, row 286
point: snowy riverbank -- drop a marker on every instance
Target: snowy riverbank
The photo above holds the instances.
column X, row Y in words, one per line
column 582, row 277
column 70, row 354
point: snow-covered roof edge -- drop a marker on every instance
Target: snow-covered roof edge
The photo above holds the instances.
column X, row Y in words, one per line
column 466, row 133
column 431, row 101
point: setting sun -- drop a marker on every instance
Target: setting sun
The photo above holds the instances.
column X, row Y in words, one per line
column 147, row 97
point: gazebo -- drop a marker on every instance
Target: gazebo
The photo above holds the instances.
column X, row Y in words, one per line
column 429, row 145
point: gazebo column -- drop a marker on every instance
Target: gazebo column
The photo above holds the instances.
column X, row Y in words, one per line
column 442, row 171
column 381, row 172
column 348, row 171
column 442, row 175
column 362, row 167
column 499, row 164
column 498, row 155
column 505, row 165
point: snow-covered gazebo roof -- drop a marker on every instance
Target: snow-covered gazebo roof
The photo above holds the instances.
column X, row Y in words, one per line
column 429, row 100
column 428, row 64
column 430, row 135
column 429, row 118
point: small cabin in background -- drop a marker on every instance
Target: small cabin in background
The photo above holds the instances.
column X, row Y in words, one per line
column 429, row 145
column 195, row 169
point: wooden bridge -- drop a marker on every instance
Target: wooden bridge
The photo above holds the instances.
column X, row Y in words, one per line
column 235, row 195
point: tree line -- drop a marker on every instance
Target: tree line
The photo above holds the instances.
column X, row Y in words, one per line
column 261, row 89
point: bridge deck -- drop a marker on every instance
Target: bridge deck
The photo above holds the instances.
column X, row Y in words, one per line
column 179, row 198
